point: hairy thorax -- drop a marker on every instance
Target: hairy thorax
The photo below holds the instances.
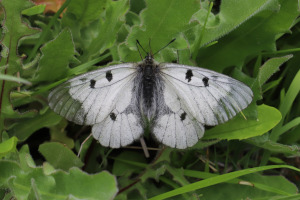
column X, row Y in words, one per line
column 149, row 90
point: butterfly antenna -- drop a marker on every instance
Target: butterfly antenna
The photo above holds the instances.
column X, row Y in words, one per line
column 165, row 46
column 137, row 45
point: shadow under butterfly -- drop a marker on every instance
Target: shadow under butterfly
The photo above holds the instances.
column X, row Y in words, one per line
column 176, row 101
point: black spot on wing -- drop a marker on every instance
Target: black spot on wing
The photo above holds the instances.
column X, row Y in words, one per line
column 189, row 75
column 113, row 116
column 109, row 75
column 205, row 81
column 92, row 83
column 183, row 116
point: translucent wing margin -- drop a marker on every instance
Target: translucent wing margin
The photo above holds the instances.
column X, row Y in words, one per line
column 208, row 97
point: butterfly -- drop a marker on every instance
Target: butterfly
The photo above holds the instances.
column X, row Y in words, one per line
column 175, row 101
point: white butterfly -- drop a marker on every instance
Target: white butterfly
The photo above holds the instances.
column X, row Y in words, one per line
column 175, row 100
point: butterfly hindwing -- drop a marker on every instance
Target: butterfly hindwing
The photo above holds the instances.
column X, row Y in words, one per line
column 177, row 130
column 210, row 97
column 118, row 129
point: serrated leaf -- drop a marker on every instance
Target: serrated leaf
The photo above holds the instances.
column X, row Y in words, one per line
column 13, row 30
column 59, row 156
column 161, row 22
column 84, row 12
column 275, row 147
column 255, row 35
column 57, row 185
column 227, row 19
column 54, row 63
column 101, row 35
column 240, row 129
column 25, row 127
column 270, row 67
column 8, row 169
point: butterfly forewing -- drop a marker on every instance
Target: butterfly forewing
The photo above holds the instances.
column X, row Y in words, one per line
column 89, row 98
column 210, row 97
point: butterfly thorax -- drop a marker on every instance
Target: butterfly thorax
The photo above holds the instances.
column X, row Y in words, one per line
column 148, row 81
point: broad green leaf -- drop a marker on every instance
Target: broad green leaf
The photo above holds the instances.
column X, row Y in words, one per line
column 218, row 179
column 160, row 22
column 132, row 19
column 54, row 63
column 26, row 162
column 59, row 134
column 74, row 184
column 25, row 127
column 59, row 156
column 79, row 16
column 8, row 146
column 84, row 12
column 137, row 5
column 227, row 20
column 250, row 38
column 38, row 9
column 8, row 169
column 239, row 128
column 264, row 73
column 46, row 31
column 98, row 186
column 101, row 35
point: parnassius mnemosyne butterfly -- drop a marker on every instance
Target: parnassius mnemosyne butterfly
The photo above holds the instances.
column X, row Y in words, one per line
column 175, row 100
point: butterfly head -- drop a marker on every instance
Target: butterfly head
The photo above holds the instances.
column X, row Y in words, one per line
column 148, row 58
